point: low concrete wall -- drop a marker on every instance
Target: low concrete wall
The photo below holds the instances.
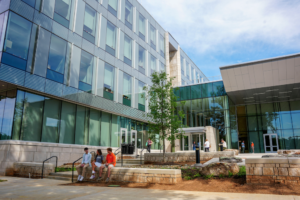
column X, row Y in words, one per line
column 292, row 151
column 23, row 169
column 12, row 151
column 138, row 175
column 273, row 170
column 185, row 156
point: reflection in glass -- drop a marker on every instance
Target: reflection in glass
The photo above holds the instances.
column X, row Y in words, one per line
column 67, row 126
column 288, row 139
column 109, row 78
column 295, row 106
column 89, row 27
column 127, row 50
column 113, row 7
column 182, row 65
column 141, row 96
column 142, row 59
column 18, row 115
column 162, row 46
column 105, row 129
column 142, row 26
column 162, row 67
column 82, row 125
column 111, row 37
column 17, row 40
column 187, row 70
column 127, row 89
column 286, row 121
column 94, row 127
column 62, row 12
column 152, row 37
column 86, row 71
column 185, row 93
column 128, row 14
column 30, row 2
column 296, row 120
column 153, row 64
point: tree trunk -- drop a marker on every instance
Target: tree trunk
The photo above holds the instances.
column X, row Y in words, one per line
column 164, row 151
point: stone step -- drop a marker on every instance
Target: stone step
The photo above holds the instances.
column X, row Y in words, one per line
column 62, row 178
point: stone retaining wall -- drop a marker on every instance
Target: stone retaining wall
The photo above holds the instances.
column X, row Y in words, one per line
column 292, row 151
column 23, row 169
column 185, row 156
column 138, row 175
column 273, row 170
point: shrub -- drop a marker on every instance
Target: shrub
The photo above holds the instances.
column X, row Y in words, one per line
column 230, row 174
column 209, row 176
column 188, row 178
column 242, row 171
column 197, row 175
column 221, row 176
column 61, row 169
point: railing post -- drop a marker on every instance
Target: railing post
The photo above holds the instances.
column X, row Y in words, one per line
column 43, row 170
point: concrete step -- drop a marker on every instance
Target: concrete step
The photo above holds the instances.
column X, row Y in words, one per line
column 62, row 178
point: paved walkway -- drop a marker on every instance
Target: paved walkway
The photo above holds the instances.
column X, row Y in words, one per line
column 23, row 188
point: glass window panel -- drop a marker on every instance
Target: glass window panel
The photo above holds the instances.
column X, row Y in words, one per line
column 296, row 120
column 267, row 108
column 284, row 107
column 197, row 112
column 142, row 26
column 288, row 139
column 30, row 2
column 8, row 115
column 209, row 118
column 67, row 126
column 208, row 103
column 295, row 106
column 297, row 138
column 17, row 36
column 62, row 12
column 111, row 36
column 115, row 139
column 32, row 120
column 57, row 54
column 86, row 68
column 219, row 89
column 127, row 93
column 141, row 96
column 207, row 90
column 241, row 111
column 109, row 79
column 105, row 129
column 242, row 124
column 142, row 59
column 18, row 115
column 127, row 47
column 182, row 65
column 153, row 64
column 128, row 12
column 152, row 37
column 286, row 121
column 254, row 137
column 252, row 124
column 162, row 67
column 89, row 27
column 251, row 110
column 94, row 127
column 113, row 4
column 162, row 45
column 52, row 75
column 269, row 122
column 220, row 103
column 185, row 93
column 51, row 120
column 82, row 125
column 2, row 106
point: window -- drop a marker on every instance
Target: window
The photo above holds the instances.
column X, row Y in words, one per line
column 90, row 20
column 182, row 65
column 127, row 50
column 193, row 75
column 162, row 67
column 188, row 70
column 57, row 59
column 142, row 27
column 62, row 12
column 162, row 45
column 111, row 37
column 142, row 60
column 30, row 2
column 152, row 37
column 16, row 44
column 197, row 77
column 141, row 97
column 109, row 79
column 113, row 7
column 86, row 72
column 127, row 89
column 182, row 82
column 201, row 79
column 153, row 64
column 128, row 14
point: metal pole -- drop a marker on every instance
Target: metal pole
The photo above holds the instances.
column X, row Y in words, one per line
column 42, row 170
column 197, row 156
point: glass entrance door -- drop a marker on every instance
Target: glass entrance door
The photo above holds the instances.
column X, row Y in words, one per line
column 133, row 140
column 271, row 143
column 195, row 141
column 123, row 138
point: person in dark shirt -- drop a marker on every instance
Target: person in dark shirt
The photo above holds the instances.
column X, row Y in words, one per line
column 97, row 162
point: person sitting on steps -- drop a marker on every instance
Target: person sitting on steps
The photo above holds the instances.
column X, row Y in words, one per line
column 86, row 161
column 109, row 164
column 97, row 162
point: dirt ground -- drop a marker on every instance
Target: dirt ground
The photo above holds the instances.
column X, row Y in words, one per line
column 230, row 185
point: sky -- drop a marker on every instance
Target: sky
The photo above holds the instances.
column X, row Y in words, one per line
column 217, row 33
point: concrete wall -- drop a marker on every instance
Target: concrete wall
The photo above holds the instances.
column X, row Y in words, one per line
column 212, row 134
column 273, row 170
column 12, row 151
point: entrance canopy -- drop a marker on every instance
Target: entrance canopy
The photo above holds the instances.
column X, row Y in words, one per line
column 200, row 129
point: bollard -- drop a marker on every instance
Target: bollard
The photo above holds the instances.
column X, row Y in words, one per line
column 197, row 156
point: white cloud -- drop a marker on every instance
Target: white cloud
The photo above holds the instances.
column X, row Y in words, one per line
column 210, row 26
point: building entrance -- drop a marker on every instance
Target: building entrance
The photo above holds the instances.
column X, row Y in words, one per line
column 271, row 143
column 191, row 140
column 129, row 138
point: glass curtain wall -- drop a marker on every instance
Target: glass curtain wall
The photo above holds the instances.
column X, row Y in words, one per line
column 162, row 45
column 152, row 37
column 142, row 27
column 62, row 11
column 127, row 50
column 162, row 67
column 113, row 7
column 90, row 21
column 30, row 2
column 57, row 59
column 86, row 72
column 182, row 65
column 16, row 44
column 127, row 85
column 31, row 117
column 109, row 79
column 111, row 38
column 153, row 64
column 141, row 97
column 128, row 14
column 142, row 60
column 188, row 70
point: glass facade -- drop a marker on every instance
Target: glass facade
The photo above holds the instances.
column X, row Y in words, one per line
column 109, row 79
column 62, row 12
column 162, row 45
column 86, row 72
column 127, row 85
column 128, row 14
column 111, row 38
column 152, row 64
column 142, row 27
column 113, row 7
column 141, row 96
column 142, row 60
column 152, row 37
column 127, row 50
column 90, row 21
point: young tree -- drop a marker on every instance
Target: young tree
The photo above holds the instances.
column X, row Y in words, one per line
column 164, row 118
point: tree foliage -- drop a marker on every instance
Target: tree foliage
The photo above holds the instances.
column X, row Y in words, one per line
column 164, row 118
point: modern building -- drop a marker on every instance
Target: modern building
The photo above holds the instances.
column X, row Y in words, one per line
column 72, row 74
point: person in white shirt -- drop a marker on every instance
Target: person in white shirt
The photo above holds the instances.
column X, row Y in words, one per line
column 206, row 145
column 224, row 145
column 86, row 162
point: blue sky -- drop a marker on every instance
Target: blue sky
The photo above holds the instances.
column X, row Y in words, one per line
column 215, row 33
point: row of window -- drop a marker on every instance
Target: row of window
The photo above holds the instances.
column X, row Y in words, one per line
column 62, row 10
column 21, row 34
column 185, row 71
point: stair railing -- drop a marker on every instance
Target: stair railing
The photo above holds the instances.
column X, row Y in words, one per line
column 44, row 163
column 75, row 162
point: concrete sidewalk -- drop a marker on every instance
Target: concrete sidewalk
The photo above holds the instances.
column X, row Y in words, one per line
column 23, row 188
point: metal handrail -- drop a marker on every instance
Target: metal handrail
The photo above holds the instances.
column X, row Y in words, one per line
column 142, row 155
column 117, row 152
column 75, row 162
column 45, row 161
